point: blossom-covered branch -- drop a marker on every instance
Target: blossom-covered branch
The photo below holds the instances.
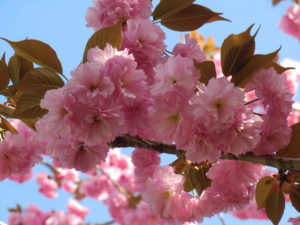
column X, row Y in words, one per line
column 268, row 160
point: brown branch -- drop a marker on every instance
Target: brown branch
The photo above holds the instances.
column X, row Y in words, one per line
column 6, row 109
column 268, row 160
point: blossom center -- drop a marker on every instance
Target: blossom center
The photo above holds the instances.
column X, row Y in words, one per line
column 167, row 194
column 173, row 118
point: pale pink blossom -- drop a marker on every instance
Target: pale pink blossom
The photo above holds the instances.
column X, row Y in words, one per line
column 190, row 49
column 250, row 211
column 144, row 40
column 98, row 55
column 48, row 186
column 58, row 114
column 164, row 193
column 145, row 163
column 171, row 118
column 275, row 135
column 109, row 12
column 233, row 186
column 270, row 88
column 290, row 22
column 62, row 218
column 34, row 216
column 130, row 83
column 292, row 75
column 176, row 76
column 17, row 155
column 90, row 82
column 76, row 208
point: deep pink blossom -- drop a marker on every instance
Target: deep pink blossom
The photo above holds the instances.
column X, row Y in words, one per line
column 295, row 221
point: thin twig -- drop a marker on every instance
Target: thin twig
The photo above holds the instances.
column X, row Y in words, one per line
column 255, row 100
column 221, row 218
column 107, row 223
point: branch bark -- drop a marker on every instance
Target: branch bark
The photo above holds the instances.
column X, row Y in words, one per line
column 267, row 160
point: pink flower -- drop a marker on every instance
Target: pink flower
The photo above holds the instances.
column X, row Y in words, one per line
column 176, row 76
column 144, row 40
column 73, row 154
column 15, row 219
column 190, row 49
column 250, row 212
column 98, row 55
column 17, row 155
column 164, row 193
column 275, row 135
column 145, row 162
column 171, row 118
column 77, row 209
column 21, row 178
column 129, row 82
column 290, row 22
column 233, row 186
column 221, row 100
column 62, row 218
column 90, row 82
column 295, row 221
column 58, row 114
column 96, row 187
column 48, row 185
column 292, row 75
column 271, row 90
column 109, row 12
column 34, row 216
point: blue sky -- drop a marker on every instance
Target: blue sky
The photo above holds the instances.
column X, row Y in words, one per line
column 61, row 24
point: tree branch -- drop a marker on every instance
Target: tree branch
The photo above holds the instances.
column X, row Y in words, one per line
column 267, row 160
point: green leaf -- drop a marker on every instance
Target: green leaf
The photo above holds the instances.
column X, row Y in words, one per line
column 199, row 179
column 207, row 70
column 109, row 35
column 4, row 74
column 190, row 18
column 255, row 63
column 263, row 189
column 293, row 148
column 17, row 67
column 295, row 197
column 28, row 107
column 37, row 52
column 236, row 51
column 275, row 205
column 38, row 81
column 168, row 7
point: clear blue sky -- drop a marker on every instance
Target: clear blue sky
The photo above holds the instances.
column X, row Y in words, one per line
column 61, row 24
